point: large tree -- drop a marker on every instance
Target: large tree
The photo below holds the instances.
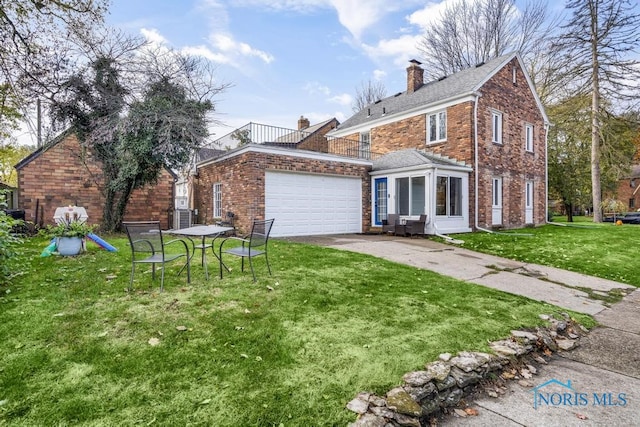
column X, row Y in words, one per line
column 137, row 110
column 368, row 93
column 471, row 32
column 569, row 150
column 31, row 32
column 601, row 38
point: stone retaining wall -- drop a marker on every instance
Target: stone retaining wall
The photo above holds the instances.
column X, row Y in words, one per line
column 443, row 383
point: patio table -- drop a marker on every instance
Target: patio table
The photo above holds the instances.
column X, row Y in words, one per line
column 201, row 231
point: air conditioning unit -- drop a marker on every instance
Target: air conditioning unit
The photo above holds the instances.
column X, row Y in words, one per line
column 182, row 218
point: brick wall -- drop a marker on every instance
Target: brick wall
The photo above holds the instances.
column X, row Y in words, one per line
column 243, row 184
column 66, row 174
column 509, row 160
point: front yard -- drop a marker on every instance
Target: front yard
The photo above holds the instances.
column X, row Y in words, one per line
column 291, row 350
column 602, row 250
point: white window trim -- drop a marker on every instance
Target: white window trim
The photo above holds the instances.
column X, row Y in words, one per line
column 496, row 127
column 436, row 114
column 528, row 137
column 217, row 200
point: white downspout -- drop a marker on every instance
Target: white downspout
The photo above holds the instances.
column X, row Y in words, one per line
column 476, row 163
column 546, row 172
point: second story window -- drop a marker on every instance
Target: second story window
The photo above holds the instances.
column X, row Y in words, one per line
column 528, row 137
column 496, row 127
column 437, row 127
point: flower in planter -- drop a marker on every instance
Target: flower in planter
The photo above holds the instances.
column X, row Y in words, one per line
column 70, row 229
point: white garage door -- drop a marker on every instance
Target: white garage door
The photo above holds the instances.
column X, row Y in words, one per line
column 305, row 204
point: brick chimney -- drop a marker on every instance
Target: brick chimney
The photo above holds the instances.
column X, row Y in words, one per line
column 303, row 123
column 415, row 76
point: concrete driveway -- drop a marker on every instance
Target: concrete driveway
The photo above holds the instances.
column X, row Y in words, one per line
column 603, row 372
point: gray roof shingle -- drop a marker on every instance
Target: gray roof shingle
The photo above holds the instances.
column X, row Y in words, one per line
column 463, row 82
column 412, row 157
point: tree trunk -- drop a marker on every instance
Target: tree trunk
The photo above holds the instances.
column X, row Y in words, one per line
column 569, row 208
column 595, row 119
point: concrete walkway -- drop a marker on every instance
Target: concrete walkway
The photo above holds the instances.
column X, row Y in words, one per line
column 604, row 372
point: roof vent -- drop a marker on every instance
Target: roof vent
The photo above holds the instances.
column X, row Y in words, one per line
column 442, row 78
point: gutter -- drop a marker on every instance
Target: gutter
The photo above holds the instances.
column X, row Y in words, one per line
column 476, row 162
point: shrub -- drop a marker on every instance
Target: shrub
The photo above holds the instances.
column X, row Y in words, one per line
column 9, row 243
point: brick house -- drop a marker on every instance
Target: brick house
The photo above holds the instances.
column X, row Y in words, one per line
column 467, row 150
column 628, row 192
column 63, row 173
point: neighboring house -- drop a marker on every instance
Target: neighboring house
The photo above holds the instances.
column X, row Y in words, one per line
column 468, row 150
column 629, row 189
column 64, row 173
column 11, row 195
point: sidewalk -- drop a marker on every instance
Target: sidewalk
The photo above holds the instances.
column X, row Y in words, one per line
column 604, row 372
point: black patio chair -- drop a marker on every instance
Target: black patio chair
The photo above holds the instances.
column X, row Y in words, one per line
column 389, row 224
column 416, row 227
column 252, row 246
column 148, row 247
column 229, row 221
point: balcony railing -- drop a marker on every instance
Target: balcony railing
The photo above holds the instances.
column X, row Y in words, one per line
column 255, row 133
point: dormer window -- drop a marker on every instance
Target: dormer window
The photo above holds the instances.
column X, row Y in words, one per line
column 437, row 127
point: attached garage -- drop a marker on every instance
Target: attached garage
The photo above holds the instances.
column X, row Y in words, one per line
column 313, row 204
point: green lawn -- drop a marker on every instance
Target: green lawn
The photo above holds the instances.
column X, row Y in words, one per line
column 602, row 250
column 291, row 350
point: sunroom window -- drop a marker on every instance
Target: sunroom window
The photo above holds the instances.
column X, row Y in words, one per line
column 410, row 195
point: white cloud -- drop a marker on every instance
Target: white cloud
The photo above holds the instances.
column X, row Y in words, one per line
column 342, row 99
column 314, row 88
column 152, row 35
column 379, row 75
column 206, row 53
column 428, row 14
column 229, row 46
column 401, row 49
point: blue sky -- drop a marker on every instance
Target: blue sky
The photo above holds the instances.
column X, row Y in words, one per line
column 286, row 58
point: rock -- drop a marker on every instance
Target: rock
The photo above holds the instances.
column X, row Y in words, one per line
column 509, row 348
column 369, row 420
column 532, row 369
column 492, row 393
column 377, row 401
column 358, row 406
column 531, row 337
column 445, row 357
column 453, row 398
column 417, row 378
column 400, row 401
column 420, row 393
column 380, row 411
column 429, row 406
column 463, row 378
column 544, row 317
column 405, row 420
column 446, row 383
column 470, row 361
column 561, row 327
column 565, row 344
column 547, row 340
column 439, row 370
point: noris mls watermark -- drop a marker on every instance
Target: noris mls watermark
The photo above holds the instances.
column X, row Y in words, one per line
column 557, row 393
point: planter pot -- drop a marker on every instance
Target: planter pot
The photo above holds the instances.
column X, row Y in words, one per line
column 69, row 245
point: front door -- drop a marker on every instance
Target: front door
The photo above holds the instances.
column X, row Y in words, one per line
column 380, row 200
column 528, row 205
column 496, row 205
